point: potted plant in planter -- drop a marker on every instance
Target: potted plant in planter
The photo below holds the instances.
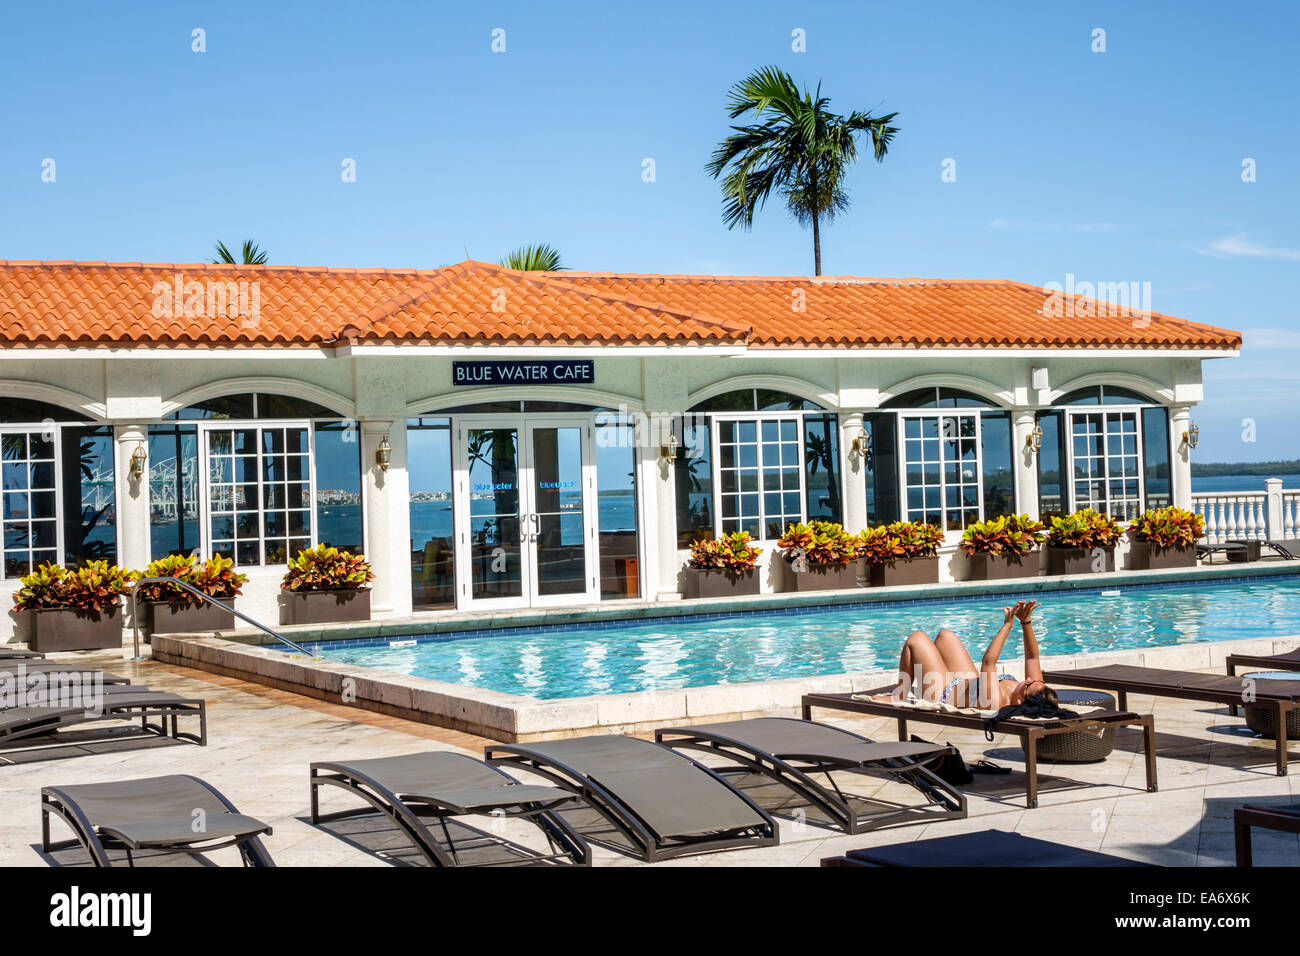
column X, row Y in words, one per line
column 904, row 552
column 819, row 556
column 77, row 610
column 324, row 584
column 723, row 567
column 1164, row 538
column 173, row 610
column 1005, row 547
column 1082, row 543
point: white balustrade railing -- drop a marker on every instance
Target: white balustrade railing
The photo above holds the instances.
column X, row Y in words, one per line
column 1273, row 514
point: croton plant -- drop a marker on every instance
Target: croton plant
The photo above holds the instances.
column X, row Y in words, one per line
column 96, row 586
column 822, row 542
column 1004, row 535
column 1170, row 527
column 1085, row 529
column 899, row 541
column 733, row 553
column 216, row 577
column 327, row 569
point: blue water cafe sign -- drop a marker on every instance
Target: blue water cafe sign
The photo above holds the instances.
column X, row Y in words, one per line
column 535, row 372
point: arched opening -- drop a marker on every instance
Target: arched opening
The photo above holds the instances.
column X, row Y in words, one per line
column 255, row 477
column 756, row 460
column 59, row 494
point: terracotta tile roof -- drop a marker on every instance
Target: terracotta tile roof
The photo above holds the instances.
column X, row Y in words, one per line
column 130, row 304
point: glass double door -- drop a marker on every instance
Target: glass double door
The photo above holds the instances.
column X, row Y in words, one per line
column 526, row 511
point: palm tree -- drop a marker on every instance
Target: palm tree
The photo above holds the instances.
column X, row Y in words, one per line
column 251, row 255
column 539, row 258
column 798, row 147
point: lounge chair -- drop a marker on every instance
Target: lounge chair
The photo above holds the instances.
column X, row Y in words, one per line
column 42, row 667
column 443, row 785
column 159, row 814
column 1280, row 697
column 18, row 654
column 22, row 727
column 984, row 848
column 790, row 752
column 880, row 703
column 1288, row 661
column 1284, row 818
column 643, row 798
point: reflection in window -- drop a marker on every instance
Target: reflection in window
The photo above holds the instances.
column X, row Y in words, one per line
column 759, row 476
column 822, row 467
column 433, row 564
column 90, row 506
column 338, row 486
column 693, row 474
column 1155, row 452
column 997, row 464
column 616, row 517
column 173, row 490
column 1051, row 467
column 1105, row 457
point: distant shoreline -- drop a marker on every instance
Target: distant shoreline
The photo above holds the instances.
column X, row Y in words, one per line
column 1263, row 469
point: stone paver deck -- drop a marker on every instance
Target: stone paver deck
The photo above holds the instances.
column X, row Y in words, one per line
column 260, row 742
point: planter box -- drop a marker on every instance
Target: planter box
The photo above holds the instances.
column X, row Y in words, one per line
column 701, row 583
column 821, row 577
column 164, row 618
column 324, row 607
column 1142, row 556
column 66, row 629
column 901, row 573
column 1077, row 560
column 995, row 567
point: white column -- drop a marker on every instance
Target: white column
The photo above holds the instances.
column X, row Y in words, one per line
column 1025, row 460
column 664, row 388
column 854, row 468
column 388, row 520
column 1180, row 418
column 132, row 498
column 1273, row 524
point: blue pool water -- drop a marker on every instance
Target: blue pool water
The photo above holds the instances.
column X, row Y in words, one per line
column 694, row 652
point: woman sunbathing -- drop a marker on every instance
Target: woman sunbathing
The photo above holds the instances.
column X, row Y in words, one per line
column 941, row 671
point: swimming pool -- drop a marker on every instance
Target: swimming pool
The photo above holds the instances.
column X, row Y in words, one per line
column 696, row 651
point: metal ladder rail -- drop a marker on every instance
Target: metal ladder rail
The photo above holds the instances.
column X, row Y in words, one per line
column 135, row 619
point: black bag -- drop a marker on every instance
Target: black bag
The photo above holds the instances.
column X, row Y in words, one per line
column 951, row 768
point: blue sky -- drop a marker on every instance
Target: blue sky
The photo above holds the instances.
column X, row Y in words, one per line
column 1117, row 166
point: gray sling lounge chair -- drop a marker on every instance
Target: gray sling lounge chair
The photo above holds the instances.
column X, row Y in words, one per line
column 983, row 848
column 47, row 669
column 18, row 654
column 38, row 726
column 790, row 752
column 152, row 814
column 444, row 785
column 643, row 798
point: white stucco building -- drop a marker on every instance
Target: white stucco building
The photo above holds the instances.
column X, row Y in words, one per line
column 525, row 418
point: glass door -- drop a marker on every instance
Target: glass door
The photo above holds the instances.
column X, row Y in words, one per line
column 526, row 518
column 561, row 528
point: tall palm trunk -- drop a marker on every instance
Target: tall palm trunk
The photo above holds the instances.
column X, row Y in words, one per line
column 817, row 232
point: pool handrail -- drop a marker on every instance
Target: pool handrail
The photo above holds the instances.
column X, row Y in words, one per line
column 135, row 619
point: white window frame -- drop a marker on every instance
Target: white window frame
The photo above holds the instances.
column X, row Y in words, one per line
column 941, row 413
column 57, row 441
column 1139, row 439
column 759, row 418
column 205, row 504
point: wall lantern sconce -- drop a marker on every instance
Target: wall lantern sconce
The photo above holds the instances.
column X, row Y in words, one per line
column 862, row 444
column 1034, row 440
column 138, row 459
column 669, row 451
column 383, row 454
column 1192, row 437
